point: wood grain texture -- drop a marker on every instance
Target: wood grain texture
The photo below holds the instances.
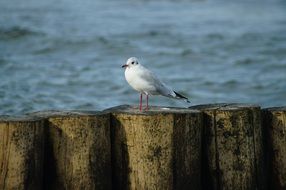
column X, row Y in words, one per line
column 232, row 147
column 157, row 149
column 274, row 120
column 21, row 152
column 78, row 150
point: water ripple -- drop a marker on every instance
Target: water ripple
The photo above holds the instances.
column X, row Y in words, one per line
column 15, row 33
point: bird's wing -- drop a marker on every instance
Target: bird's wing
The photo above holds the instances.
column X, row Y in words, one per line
column 159, row 87
column 153, row 80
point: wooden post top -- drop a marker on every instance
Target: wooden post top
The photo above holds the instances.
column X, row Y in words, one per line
column 19, row 118
column 224, row 106
column 283, row 108
column 153, row 110
column 65, row 113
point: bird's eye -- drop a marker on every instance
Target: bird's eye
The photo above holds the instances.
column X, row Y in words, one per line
column 132, row 62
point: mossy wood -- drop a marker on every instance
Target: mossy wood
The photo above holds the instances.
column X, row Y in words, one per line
column 21, row 152
column 274, row 121
column 78, row 150
column 156, row 149
column 232, row 147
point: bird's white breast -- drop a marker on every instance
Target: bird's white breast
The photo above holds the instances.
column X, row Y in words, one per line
column 135, row 77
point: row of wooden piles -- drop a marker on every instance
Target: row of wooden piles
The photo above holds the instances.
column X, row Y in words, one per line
column 218, row 146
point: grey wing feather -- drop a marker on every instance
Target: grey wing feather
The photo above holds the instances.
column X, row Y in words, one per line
column 160, row 87
column 152, row 79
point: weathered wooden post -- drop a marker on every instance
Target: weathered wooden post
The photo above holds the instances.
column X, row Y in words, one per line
column 274, row 121
column 21, row 152
column 156, row 149
column 78, row 150
column 232, row 147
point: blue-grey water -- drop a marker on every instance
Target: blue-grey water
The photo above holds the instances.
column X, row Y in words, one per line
column 67, row 54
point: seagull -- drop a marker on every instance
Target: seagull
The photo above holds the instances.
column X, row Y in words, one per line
column 145, row 82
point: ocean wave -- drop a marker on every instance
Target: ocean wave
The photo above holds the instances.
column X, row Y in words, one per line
column 52, row 45
column 16, row 32
column 245, row 61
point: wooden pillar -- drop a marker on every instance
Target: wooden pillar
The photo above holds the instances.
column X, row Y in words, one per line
column 232, row 147
column 21, row 152
column 274, row 120
column 78, row 150
column 156, row 149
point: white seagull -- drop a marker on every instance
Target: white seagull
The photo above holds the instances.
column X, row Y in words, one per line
column 145, row 82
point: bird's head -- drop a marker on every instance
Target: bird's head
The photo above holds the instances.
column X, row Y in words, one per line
column 131, row 62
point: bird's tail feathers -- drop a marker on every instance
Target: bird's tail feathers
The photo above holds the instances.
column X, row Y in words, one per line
column 179, row 96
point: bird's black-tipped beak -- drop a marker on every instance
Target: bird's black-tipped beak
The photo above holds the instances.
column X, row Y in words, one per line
column 123, row 66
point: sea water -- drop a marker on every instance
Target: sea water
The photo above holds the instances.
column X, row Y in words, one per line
column 67, row 54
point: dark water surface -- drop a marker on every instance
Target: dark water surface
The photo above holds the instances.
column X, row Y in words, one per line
column 66, row 54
